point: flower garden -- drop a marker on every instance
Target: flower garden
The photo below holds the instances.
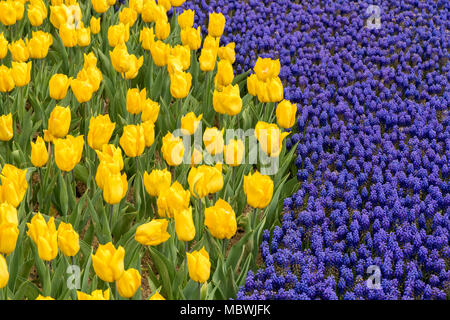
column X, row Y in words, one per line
column 215, row 150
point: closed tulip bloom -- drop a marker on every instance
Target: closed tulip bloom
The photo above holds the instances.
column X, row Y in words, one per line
column 177, row 3
column 6, row 79
column 234, row 152
column 115, row 187
column 262, row 91
column 270, row 138
column 44, row 236
column 157, row 181
column 216, row 24
column 227, row 52
column 156, row 296
column 19, row 7
column 186, row 19
column 258, row 189
column 172, row 149
column 111, row 161
column 118, row 34
column 4, row 274
column 135, row 99
column 152, row 233
column 19, row 51
column 111, row 2
column 266, row 68
column 14, row 184
column 136, row 5
column 68, row 152
column 95, row 295
column 204, row 180
column 3, row 46
column 199, row 265
column 68, row 239
column 59, row 14
column 148, row 10
column 225, row 75
column 120, row 58
column 150, row 110
column 100, row 131
column 21, row 72
column 251, row 84
column 94, row 25
column 83, row 37
column 172, row 200
column 39, row 153
column 58, row 86
column 6, row 127
column 36, row 15
column 191, row 37
column 180, row 84
column 89, row 60
column 41, row 297
column 149, row 132
column 162, row 29
column 190, row 122
column 135, row 65
column 82, row 89
column 129, row 283
column 275, row 89
column 183, row 55
column 196, row 157
column 9, row 231
column 147, row 38
column 221, row 220
column 58, row 123
column 160, row 53
column 128, row 16
column 8, row 16
column 132, row 140
column 213, row 140
column 68, row 35
column 207, row 60
column 184, row 224
column 108, row 262
column 39, row 44
column 285, row 113
column 100, row 6
column 228, row 101
column 93, row 75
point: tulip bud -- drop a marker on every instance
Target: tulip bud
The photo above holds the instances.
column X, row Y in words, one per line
column 186, row 19
column 9, row 231
column 58, row 86
column 177, row 3
column 6, row 127
column 115, row 187
column 199, row 265
column 162, row 29
column 83, row 37
column 6, row 79
column 150, row 110
column 68, row 152
column 39, row 44
column 157, row 181
column 270, row 138
column 118, row 34
column 225, row 75
column 3, row 46
column 94, row 25
column 135, row 65
column 156, row 296
column 95, row 295
column 160, row 53
column 184, row 224
column 68, row 35
column 108, row 262
column 111, row 161
column 204, row 180
column 4, row 274
column 180, row 84
column 9, row 15
column 36, row 13
column 227, row 52
column 129, row 283
column 21, row 73
column 19, row 51
column 172, row 149
column 172, row 200
column 58, row 123
column 285, row 113
column 234, row 152
column 135, row 100
column 213, row 140
column 44, row 236
column 68, row 239
column 128, row 16
column 266, row 68
column 258, row 189
column 82, row 89
column 228, row 101
column 191, row 37
column 14, row 185
column 149, row 132
column 147, row 38
column 132, row 140
column 152, row 233
column 100, row 131
column 221, row 220
column 40, row 297
column 216, row 24
column 120, row 58
column 207, row 60
column 136, row 5
column 275, row 89
column 189, row 123
column 100, row 6
column 39, row 153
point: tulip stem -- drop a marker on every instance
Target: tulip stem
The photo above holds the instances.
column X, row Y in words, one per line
column 186, row 246
column 111, row 209
column 199, row 291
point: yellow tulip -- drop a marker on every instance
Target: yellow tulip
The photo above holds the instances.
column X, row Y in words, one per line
column 196, row 157
column 40, row 297
column 135, row 65
column 227, row 52
column 270, row 138
column 221, row 220
column 59, row 14
column 266, row 68
column 19, row 51
column 82, row 89
column 136, row 5
column 6, row 79
column 262, row 91
column 39, row 153
column 115, row 187
column 3, row 46
column 228, row 101
column 44, row 236
column 275, row 89
column 149, row 132
column 135, row 99
column 225, row 75
column 148, row 10
column 68, row 239
column 95, row 295
column 108, row 262
column 58, row 86
column 118, row 34
column 83, row 37
column 285, row 113
column 68, row 35
column 39, row 44
column 21, row 72
column 207, row 60
column 89, row 60
column 186, row 19
column 199, row 265
column 120, row 58
column 36, row 14
column 19, row 7
column 177, row 3
column 172, row 200
column 132, row 140
column 8, row 16
column 183, row 55
column 156, row 296
column 258, row 189
column 68, row 152
column 129, row 283
column 180, row 84
column 172, row 149
column 14, row 184
column 213, row 140
column 204, row 180
column 184, row 224
column 251, row 84
column 160, row 53
column 6, row 127
column 152, row 233
column 94, row 25
column 58, row 123
column 162, row 29
column 100, row 6
column 234, row 152
column 150, row 110
column 4, row 274
column 100, row 131
column 111, row 161
column 147, row 38
column 190, row 122
column 9, row 231
column 128, row 16
column 93, row 75
column 191, row 37
column 216, row 24
column 157, row 181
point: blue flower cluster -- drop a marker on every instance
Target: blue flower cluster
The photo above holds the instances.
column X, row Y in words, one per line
column 374, row 145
